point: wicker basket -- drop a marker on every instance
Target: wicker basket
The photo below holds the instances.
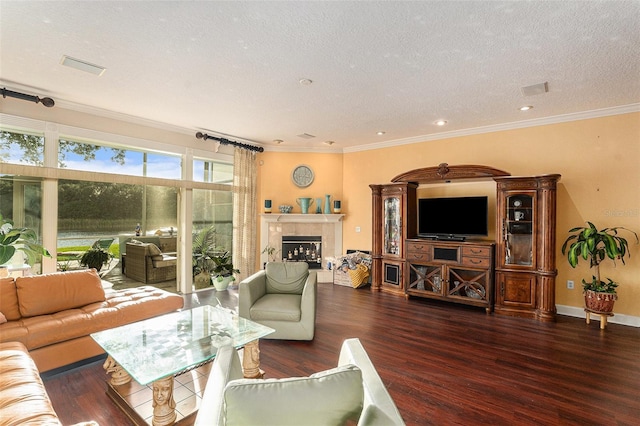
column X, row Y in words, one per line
column 359, row 275
column 599, row 302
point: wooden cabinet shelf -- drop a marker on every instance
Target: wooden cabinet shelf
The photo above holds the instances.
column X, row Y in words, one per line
column 460, row 272
column 525, row 253
column 394, row 220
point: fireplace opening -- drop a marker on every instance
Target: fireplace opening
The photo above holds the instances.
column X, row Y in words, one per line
column 303, row 249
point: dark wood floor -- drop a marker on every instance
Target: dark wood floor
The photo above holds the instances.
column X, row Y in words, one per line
column 443, row 364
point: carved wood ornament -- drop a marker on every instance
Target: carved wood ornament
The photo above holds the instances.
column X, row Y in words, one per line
column 445, row 172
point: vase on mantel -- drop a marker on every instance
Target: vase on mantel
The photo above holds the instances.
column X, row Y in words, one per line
column 327, row 204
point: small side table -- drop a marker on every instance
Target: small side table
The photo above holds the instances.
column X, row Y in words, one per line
column 603, row 317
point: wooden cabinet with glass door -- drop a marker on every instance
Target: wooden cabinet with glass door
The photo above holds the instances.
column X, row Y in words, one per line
column 394, row 220
column 525, row 252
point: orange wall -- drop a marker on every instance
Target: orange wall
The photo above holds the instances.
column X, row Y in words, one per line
column 605, row 192
column 275, row 184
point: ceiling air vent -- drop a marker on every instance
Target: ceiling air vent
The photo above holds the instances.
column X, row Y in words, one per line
column 82, row 65
column 306, row 136
column 536, row 89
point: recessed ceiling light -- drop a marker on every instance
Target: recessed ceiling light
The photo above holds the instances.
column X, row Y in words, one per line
column 440, row 122
column 329, row 143
column 278, row 141
column 82, row 65
column 305, row 81
column 380, row 133
column 526, row 108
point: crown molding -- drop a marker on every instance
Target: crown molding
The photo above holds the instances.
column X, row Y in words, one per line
column 563, row 118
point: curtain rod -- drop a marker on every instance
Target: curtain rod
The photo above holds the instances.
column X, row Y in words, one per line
column 224, row 141
column 48, row 102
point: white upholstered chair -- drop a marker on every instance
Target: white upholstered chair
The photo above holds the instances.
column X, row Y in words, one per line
column 283, row 297
column 352, row 392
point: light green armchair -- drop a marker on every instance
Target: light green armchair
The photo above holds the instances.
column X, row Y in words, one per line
column 352, row 392
column 283, row 297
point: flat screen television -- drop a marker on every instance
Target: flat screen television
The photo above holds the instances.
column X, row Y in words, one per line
column 453, row 218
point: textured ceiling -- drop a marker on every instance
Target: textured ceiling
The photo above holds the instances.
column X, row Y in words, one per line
column 234, row 67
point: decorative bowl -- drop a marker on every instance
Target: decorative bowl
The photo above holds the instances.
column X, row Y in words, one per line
column 285, row 208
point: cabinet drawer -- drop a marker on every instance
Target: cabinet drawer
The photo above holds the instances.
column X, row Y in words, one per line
column 413, row 256
column 418, row 247
column 476, row 251
column 476, row 262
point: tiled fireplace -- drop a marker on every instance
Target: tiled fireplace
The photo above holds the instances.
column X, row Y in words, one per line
column 328, row 227
column 302, row 248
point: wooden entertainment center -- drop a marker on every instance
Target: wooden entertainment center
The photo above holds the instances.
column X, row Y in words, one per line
column 515, row 275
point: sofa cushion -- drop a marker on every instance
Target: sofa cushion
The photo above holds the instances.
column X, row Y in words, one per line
column 154, row 251
column 23, row 398
column 283, row 277
column 330, row 397
column 277, row 307
column 50, row 293
column 9, row 299
column 163, row 261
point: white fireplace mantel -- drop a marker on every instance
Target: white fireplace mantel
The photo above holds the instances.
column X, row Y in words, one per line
column 301, row 218
column 285, row 223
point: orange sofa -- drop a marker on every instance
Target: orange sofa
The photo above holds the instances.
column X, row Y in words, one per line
column 53, row 315
column 23, row 397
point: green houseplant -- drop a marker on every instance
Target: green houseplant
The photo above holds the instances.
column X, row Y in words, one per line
column 223, row 270
column 14, row 239
column 203, row 249
column 272, row 254
column 95, row 257
column 595, row 245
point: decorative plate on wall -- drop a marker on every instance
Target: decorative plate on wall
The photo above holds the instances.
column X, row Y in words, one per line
column 302, row 176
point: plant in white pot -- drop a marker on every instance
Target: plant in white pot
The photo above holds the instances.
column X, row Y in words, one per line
column 222, row 272
column 595, row 245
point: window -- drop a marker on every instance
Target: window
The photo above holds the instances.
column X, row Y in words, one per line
column 214, row 208
column 21, row 202
column 212, row 172
column 21, row 148
column 91, row 157
column 88, row 211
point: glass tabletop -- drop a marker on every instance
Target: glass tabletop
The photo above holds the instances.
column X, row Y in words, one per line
column 169, row 344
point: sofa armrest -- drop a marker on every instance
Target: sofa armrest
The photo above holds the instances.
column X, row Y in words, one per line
column 226, row 367
column 309, row 298
column 379, row 408
column 249, row 290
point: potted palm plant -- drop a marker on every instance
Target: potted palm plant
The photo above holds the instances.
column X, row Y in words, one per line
column 204, row 247
column 13, row 239
column 595, row 245
column 223, row 270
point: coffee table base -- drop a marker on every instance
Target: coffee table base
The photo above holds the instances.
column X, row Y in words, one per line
column 121, row 387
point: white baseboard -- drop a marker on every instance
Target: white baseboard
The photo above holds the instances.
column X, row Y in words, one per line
column 623, row 319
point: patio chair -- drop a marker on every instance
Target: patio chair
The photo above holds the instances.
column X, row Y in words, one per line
column 104, row 243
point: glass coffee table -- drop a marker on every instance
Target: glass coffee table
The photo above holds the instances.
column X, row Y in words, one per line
column 159, row 349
